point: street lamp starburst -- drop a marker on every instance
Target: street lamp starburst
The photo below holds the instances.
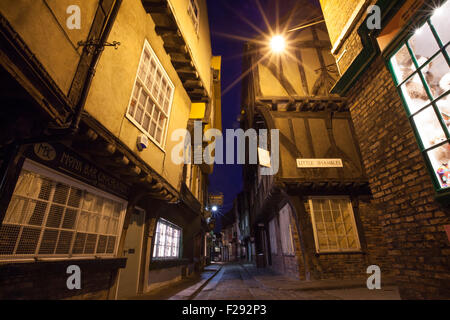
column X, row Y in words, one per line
column 278, row 43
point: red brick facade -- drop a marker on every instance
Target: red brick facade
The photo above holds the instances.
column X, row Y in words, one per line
column 413, row 220
column 335, row 265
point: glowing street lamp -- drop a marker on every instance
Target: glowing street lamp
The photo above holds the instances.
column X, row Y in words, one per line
column 277, row 43
column 214, row 208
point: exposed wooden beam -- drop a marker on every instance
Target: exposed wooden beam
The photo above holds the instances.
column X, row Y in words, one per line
column 157, row 7
column 182, row 49
column 162, row 30
column 130, row 170
column 98, row 148
column 88, row 135
column 193, row 84
column 198, row 92
column 173, row 39
column 117, row 160
column 157, row 186
column 180, row 57
column 180, row 63
column 186, row 74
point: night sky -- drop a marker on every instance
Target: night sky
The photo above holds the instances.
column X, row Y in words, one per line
column 229, row 17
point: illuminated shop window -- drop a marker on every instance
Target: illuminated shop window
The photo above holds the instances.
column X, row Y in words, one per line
column 50, row 216
column 167, row 240
column 334, row 225
column 151, row 100
column 422, row 74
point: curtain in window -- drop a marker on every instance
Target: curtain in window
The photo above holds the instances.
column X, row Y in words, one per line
column 47, row 217
column 29, row 188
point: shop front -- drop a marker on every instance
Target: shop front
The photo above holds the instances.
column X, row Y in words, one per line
column 64, row 211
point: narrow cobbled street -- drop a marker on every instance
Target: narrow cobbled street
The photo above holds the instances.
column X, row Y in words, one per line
column 235, row 281
column 221, row 150
column 246, row 282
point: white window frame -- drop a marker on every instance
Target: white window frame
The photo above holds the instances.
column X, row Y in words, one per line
column 195, row 19
column 353, row 221
column 56, row 176
column 149, row 92
column 156, row 241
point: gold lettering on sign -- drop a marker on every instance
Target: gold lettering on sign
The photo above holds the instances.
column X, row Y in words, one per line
column 320, row 163
column 71, row 162
column 45, row 151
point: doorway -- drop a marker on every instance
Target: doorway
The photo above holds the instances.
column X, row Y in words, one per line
column 129, row 277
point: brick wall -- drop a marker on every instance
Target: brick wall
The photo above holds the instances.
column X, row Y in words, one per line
column 349, row 265
column 413, row 221
column 337, row 14
column 337, row 19
column 333, row 265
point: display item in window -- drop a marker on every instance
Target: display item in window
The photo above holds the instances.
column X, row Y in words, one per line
column 444, row 83
column 444, row 174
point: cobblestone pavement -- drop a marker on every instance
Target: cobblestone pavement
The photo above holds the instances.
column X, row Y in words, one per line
column 238, row 282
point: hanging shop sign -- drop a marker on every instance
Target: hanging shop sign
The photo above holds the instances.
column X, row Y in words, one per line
column 59, row 157
column 319, row 163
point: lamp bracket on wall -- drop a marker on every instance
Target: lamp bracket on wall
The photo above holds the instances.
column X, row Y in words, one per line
column 95, row 45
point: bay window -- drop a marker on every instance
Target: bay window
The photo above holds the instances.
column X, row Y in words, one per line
column 151, row 100
column 51, row 216
column 334, row 225
column 421, row 71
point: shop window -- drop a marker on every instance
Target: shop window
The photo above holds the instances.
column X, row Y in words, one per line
column 151, row 101
column 334, row 225
column 287, row 244
column 50, row 218
column 421, row 71
column 167, row 240
column 273, row 236
column 194, row 13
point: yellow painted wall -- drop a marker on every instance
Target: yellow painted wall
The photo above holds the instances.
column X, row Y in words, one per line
column 42, row 25
column 114, row 80
column 270, row 86
column 199, row 45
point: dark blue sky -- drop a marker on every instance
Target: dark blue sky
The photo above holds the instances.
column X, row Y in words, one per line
column 228, row 17
column 224, row 19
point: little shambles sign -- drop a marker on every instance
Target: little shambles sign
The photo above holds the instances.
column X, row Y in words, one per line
column 319, row 163
column 63, row 159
